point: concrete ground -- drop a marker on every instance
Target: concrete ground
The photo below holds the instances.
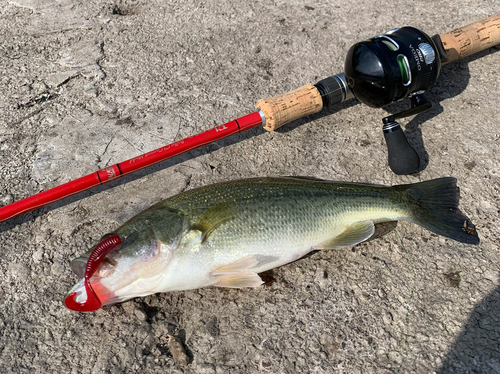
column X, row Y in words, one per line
column 88, row 84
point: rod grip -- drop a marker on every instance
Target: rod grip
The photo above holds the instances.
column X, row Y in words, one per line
column 467, row 40
column 295, row 104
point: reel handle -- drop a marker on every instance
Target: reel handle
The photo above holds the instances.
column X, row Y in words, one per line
column 467, row 40
column 402, row 157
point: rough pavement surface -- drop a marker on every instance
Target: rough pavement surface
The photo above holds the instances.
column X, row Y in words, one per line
column 88, row 84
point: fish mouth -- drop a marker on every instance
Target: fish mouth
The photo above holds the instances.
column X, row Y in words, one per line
column 79, row 296
column 80, row 299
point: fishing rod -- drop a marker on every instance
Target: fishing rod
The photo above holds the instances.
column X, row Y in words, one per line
column 401, row 63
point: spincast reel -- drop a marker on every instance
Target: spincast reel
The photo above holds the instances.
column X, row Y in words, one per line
column 401, row 63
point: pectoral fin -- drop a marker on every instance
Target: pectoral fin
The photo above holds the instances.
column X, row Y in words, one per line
column 213, row 218
column 352, row 235
column 238, row 274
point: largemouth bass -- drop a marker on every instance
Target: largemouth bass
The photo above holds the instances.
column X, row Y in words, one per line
column 225, row 234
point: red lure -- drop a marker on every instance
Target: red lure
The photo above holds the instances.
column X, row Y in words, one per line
column 98, row 254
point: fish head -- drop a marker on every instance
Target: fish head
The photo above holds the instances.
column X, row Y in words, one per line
column 126, row 264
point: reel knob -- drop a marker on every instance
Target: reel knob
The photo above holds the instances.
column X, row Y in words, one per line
column 401, row 156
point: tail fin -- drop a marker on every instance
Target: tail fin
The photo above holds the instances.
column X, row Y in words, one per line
column 434, row 205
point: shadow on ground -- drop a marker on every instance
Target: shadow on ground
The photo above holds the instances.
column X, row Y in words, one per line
column 477, row 348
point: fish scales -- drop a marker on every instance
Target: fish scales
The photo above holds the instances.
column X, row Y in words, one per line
column 281, row 219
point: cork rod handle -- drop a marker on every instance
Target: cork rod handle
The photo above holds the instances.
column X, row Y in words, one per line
column 471, row 39
column 295, row 104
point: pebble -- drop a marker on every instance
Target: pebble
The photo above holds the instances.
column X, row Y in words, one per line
column 178, row 352
column 57, row 268
column 395, row 357
column 6, row 199
column 141, row 316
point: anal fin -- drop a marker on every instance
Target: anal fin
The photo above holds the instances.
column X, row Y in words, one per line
column 352, row 235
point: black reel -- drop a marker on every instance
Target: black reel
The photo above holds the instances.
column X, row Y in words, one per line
column 401, row 63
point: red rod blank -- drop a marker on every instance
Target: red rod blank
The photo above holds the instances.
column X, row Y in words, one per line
column 116, row 171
